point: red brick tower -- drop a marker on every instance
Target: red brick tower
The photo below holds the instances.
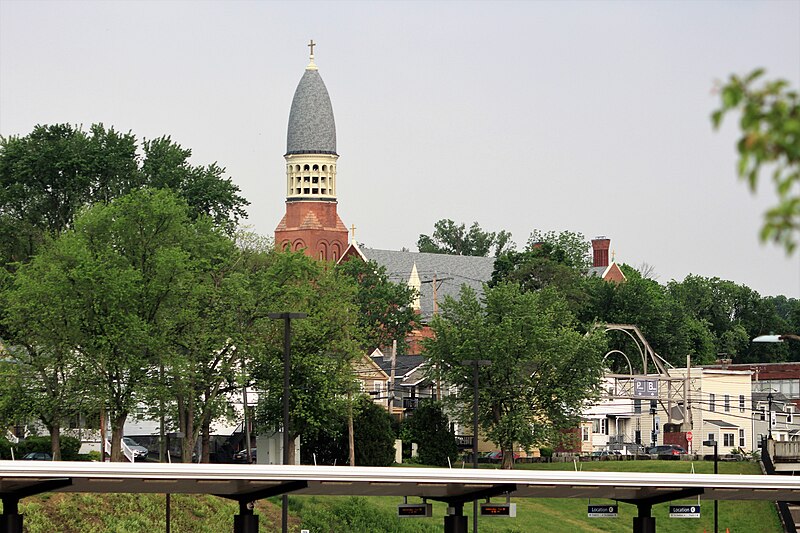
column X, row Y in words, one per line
column 311, row 222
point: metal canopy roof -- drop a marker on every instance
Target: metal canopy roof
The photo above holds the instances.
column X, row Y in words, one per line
column 238, row 481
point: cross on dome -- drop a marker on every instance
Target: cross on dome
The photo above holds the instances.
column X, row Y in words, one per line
column 311, row 66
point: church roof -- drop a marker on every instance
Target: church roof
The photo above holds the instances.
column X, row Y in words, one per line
column 312, row 129
column 450, row 271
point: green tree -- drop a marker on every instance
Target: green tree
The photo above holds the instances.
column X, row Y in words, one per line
column 566, row 247
column 542, row 371
column 374, row 436
column 385, row 308
column 122, row 273
column 429, row 427
column 323, row 344
column 47, row 176
column 454, row 239
column 556, row 260
column 770, row 137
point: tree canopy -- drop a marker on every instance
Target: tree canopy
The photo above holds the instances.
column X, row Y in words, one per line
column 451, row 238
column 47, row 176
column 542, row 366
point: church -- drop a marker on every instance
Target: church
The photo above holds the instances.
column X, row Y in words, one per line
column 312, row 224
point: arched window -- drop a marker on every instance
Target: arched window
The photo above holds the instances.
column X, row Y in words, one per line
column 324, row 168
column 305, row 167
column 316, row 167
column 297, row 168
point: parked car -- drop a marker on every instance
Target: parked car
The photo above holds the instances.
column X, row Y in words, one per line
column 606, row 453
column 139, row 451
column 37, row 456
column 241, row 456
column 497, row 456
column 667, row 450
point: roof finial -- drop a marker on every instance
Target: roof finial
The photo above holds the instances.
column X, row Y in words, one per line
column 311, row 65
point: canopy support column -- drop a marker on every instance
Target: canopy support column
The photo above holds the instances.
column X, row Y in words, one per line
column 646, row 522
column 246, row 521
column 11, row 520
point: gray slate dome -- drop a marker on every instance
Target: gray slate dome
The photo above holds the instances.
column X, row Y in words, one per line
column 312, row 129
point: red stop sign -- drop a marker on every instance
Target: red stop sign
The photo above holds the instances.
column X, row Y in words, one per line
column 689, row 436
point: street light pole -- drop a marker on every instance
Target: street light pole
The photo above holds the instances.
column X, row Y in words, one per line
column 475, row 363
column 716, row 461
column 287, row 341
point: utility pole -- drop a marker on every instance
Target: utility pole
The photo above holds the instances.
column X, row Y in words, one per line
column 391, row 388
column 769, row 417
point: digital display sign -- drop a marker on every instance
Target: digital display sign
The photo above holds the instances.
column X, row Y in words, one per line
column 499, row 509
column 418, row 510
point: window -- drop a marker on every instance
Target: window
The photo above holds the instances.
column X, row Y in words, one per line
column 763, row 413
column 585, row 433
column 741, row 438
column 637, row 407
column 741, row 403
column 637, row 437
column 712, row 402
column 727, row 439
column 600, row 425
column 711, row 437
column 726, row 401
column 377, row 388
column 789, row 415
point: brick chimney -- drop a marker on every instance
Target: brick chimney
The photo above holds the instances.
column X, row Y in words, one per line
column 600, row 246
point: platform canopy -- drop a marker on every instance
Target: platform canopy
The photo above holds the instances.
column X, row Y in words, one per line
column 239, row 481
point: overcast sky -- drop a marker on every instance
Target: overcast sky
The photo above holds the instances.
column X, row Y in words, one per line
column 584, row 116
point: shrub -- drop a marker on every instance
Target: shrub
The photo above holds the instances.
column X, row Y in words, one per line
column 429, row 427
column 373, row 434
column 373, row 437
column 5, row 448
column 69, row 446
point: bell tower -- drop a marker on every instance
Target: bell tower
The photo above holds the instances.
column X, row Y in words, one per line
column 311, row 222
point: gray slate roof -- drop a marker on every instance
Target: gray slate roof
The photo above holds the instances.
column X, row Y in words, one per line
column 451, row 272
column 403, row 364
column 312, row 129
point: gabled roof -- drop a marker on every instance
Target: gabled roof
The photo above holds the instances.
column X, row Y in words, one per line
column 450, row 272
column 404, row 364
column 612, row 272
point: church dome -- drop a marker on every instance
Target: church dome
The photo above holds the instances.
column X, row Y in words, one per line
column 312, row 129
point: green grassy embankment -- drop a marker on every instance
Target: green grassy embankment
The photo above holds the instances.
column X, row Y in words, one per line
column 135, row 513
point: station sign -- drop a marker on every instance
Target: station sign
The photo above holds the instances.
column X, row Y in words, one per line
column 645, row 388
column 415, row 510
column 684, row 511
column 603, row 511
column 499, row 509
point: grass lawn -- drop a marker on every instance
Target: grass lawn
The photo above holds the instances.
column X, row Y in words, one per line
column 135, row 513
column 557, row 515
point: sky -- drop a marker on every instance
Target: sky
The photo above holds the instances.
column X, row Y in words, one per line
column 588, row 116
